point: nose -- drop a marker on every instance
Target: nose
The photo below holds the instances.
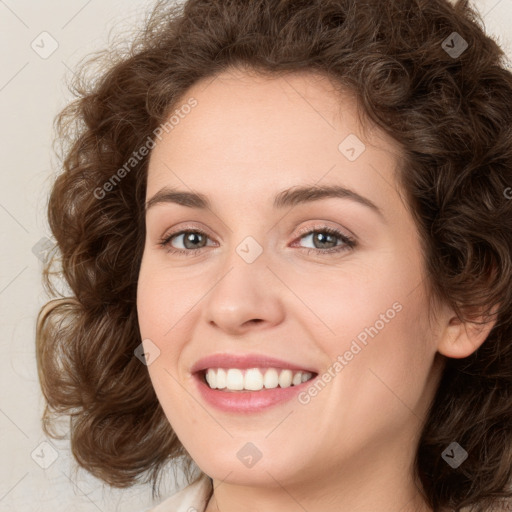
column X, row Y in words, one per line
column 247, row 295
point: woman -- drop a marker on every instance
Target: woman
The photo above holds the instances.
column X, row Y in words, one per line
column 288, row 240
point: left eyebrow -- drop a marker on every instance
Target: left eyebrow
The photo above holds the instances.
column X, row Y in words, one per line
column 286, row 198
column 298, row 195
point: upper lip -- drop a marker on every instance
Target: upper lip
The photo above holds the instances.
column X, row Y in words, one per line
column 245, row 361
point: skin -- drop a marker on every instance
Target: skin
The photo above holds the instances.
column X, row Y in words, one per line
column 352, row 446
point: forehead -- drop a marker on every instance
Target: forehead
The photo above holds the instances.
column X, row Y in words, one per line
column 255, row 134
column 252, row 109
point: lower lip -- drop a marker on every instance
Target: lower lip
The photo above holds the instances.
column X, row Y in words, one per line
column 248, row 401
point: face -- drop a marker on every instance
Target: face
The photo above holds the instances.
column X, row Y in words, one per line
column 328, row 283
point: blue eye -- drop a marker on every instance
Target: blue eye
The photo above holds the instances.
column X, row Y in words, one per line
column 328, row 235
column 189, row 237
column 196, row 239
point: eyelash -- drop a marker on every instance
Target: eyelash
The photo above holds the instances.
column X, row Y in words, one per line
column 348, row 242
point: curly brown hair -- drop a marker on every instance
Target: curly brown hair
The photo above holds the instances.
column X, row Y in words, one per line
column 450, row 113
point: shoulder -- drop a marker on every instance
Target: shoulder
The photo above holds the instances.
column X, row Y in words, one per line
column 192, row 498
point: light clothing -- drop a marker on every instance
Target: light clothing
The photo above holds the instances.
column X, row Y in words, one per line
column 192, row 498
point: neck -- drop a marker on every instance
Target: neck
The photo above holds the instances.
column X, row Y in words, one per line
column 380, row 489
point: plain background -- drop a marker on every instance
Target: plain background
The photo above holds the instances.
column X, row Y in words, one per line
column 32, row 91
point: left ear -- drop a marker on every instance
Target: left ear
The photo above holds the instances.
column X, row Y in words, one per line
column 460, row 339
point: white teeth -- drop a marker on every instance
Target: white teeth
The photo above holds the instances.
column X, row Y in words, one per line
column 254, row 379
column 285, row 378
column 271, row 379
column 235, row 379
column 211, row 378
column 221, row 378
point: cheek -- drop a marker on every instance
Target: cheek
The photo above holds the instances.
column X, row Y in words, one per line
column 163, row 300
column 167, row 305
column 152, row 300
column 377, row 319
column 357, row 299
column 160, row 306
column 391, row 370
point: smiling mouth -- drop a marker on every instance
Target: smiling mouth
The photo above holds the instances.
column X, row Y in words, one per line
column 253, row 379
